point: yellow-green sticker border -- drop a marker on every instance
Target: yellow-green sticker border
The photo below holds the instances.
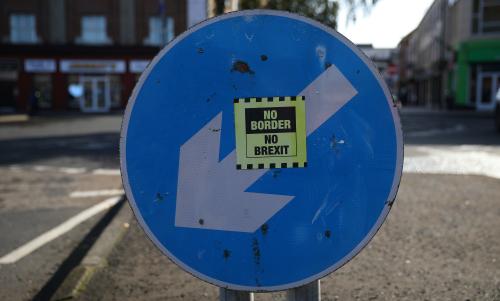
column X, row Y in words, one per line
column 298, row 161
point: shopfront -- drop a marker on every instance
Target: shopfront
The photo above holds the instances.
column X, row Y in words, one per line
column 478, row 74
column 69, row 78
column 94, row 86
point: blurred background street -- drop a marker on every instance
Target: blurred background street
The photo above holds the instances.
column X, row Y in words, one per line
column 67, row 69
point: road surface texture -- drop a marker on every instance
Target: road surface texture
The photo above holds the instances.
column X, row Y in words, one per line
column 48, row 166
column 441, row 240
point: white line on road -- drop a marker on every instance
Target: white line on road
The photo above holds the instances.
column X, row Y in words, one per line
column 460, row 160
column 42, row 168
column 67, row 170
column 52, row 234
column 433, row 132
column 15, row 168
column 72, row 170
column 106, row 172
column 94, row 193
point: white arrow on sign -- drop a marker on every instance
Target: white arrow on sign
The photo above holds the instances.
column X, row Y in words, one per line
column 211, row 194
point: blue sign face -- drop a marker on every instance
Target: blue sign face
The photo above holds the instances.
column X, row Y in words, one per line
column 250, row 217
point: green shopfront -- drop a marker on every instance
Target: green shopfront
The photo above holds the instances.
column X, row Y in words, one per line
column 477, row 74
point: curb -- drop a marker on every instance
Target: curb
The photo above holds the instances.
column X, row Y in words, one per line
column 14, row 118
column 97, row 257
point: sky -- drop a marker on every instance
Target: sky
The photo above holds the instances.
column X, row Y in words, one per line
column 386, row 23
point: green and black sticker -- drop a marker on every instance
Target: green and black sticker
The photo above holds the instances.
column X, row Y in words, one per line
column 270, row 132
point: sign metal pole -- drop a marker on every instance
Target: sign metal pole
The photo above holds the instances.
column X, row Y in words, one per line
column 308, row 292
column 231, row 295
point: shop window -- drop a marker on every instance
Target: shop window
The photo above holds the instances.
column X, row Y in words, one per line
column 485, row 94
column 486, row 16
column 475, row 24
column 8, row 90
column 94, row 30
column 491, row 16
column 95, row 93
column 8, row 85
column 42, row 86
column 23, row 29
column 491, row 67
column 160, row 31
column 475, row 6
column 474, row 70
column 75, row 91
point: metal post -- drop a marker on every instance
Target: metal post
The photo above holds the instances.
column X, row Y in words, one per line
column 308, row 292
column 230, row 295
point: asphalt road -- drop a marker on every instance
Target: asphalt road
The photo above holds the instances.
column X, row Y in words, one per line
column 441, row 241
column 62, row 141
column 47, row 165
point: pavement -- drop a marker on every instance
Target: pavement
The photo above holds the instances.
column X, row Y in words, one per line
column 11, row 118
column 440, row 242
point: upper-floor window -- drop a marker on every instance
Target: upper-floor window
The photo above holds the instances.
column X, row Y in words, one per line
column 23, row 28
column 160, row 31
column 94, row 30
column 486, row 16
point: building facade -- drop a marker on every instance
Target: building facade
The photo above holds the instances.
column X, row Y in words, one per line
column 422, row 54
column 406, row 85
column 82, row 55
column 476, row 41
column 385, row 59
column 452, row 59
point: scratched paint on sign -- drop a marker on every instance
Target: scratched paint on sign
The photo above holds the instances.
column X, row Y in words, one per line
column 270, row 132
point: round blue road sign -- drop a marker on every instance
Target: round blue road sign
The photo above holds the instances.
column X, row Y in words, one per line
column 261, row 150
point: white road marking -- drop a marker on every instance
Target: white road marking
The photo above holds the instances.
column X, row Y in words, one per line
column 94, row 145
column 52, row 234
column 459, row 160
column 15, row 168
column 106, row 172
column 433, row 132
column 42, row 168
column 72, row 170
column 67, row 170
column 94, row 193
